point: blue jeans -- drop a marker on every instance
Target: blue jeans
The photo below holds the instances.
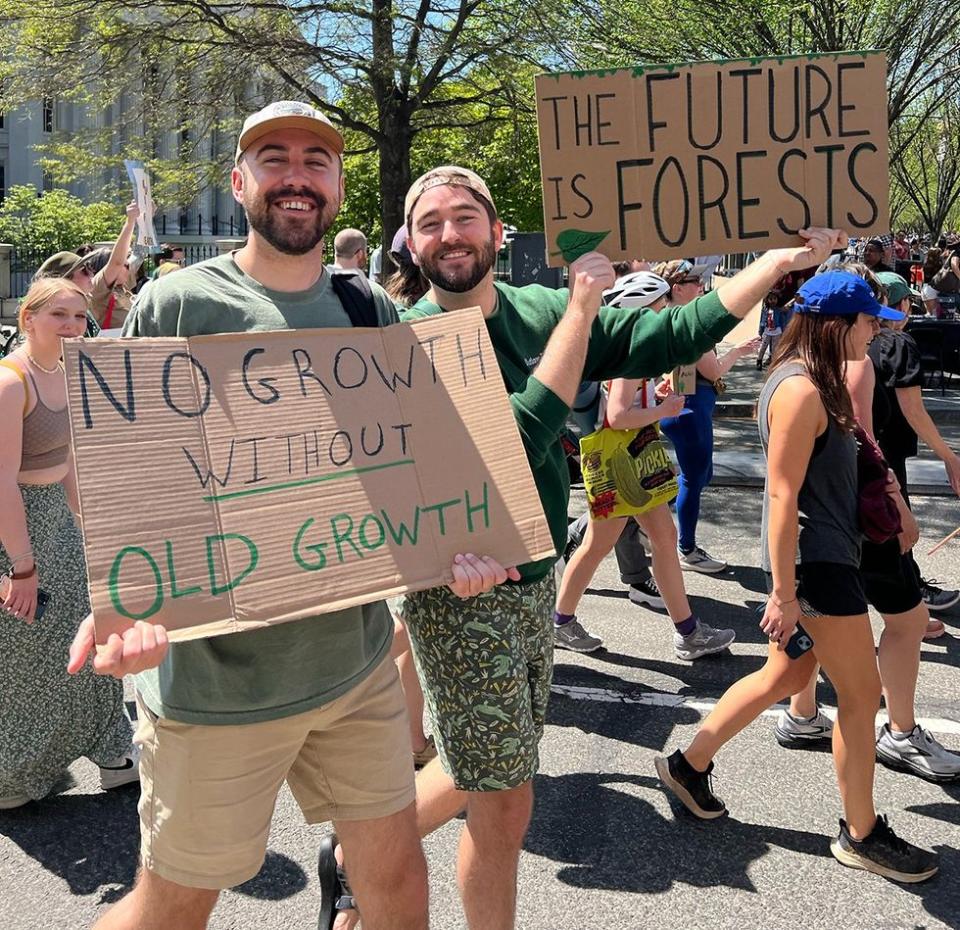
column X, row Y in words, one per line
column 692, row 437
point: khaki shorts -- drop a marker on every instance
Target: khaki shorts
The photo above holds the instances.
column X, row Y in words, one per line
column 208, row 792
column 485, row 664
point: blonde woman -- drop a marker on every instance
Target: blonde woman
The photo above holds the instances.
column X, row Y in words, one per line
column 49, row 718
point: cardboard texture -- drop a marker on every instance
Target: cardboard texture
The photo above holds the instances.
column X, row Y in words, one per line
column 662, row 161
column 229, row 482
column 683, row 379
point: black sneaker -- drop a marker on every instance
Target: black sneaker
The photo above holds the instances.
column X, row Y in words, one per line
column 692, row 788
column 647, row 594
column 936, row 598
column 884, row 853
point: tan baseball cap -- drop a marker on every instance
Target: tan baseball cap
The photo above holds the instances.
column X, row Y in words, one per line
column 438, row 177
column 288, row 114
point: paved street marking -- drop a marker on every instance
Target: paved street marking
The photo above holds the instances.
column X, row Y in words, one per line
column 608, row 696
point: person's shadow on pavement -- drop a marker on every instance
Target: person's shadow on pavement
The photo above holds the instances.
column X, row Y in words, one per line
column 92, row 843
column 613, row 848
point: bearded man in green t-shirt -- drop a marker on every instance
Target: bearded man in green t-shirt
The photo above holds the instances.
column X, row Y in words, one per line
column 316, row 702
column 486, row 663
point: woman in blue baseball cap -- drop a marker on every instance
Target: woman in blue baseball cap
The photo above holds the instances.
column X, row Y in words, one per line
column 810, row 506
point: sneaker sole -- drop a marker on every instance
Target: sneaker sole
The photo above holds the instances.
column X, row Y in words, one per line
column 578, row 649
column 699, row 568
column 712, row 651
column 854, row 861
column 9, row 804
column 789, row 741
column 653, row 604
column 681, row 793
column 939, row 608
column 898, row 765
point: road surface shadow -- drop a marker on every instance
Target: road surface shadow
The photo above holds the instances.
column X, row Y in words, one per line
column 92, row 843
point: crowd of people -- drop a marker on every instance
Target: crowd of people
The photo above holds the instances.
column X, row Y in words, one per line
column 219, row 731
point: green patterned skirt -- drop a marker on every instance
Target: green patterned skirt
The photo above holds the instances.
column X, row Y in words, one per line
column 49, row 718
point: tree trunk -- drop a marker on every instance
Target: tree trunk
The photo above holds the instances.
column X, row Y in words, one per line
column 394, row 166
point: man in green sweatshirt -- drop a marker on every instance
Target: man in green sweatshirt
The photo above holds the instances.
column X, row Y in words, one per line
column 486, row 663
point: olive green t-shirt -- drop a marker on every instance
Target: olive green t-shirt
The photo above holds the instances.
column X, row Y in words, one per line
column 281, row 670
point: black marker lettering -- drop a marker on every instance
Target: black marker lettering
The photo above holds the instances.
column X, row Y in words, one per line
column 781, row 174
column 771, row 107
column 851, row 170
column 718, row 202
column 624, row 207
column 582, row 196
column 86, row 363
column 744, row 202
column 746, row 74
column 301, row 358
column 684, row 225
column 601, row 124
column 690, row 120
column 829, row 150
column 362, row 373
column 556, row 119
column 844, row 107
column 263, row 382
column 652, row 124
column 167, row 366
column 817, row 110
column 559, row 215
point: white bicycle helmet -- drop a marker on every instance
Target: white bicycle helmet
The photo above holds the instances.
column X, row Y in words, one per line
column 639, row 289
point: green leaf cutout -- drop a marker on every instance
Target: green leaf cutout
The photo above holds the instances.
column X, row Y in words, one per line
column 572, row 243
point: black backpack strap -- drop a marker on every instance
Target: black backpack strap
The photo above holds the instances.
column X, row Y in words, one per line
column 356, row 295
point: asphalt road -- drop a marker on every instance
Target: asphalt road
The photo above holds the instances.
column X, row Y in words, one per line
column 606, row 849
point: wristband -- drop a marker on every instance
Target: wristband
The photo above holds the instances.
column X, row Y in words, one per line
column 22, row 576
column 782, row 603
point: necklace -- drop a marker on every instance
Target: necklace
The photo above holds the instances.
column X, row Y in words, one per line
column 49, row 371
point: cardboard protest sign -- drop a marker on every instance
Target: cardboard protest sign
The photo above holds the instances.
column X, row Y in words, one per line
column 662, row 161
column 146, row 230
column 233, row 481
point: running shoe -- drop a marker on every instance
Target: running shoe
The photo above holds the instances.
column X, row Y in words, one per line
column 884, row 853
column 121, row 771
column 693, row 789
column 13, row 800
column 573, row 636
column 937, row 598
column 647, row 594
column 703, row 641
column 802, row 732
column 918, row 753
column 699, row 560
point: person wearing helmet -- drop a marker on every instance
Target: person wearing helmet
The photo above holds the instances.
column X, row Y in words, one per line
column 692, row 435
column 630, row 403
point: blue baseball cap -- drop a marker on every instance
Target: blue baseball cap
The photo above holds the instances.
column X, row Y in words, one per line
column 841, row 293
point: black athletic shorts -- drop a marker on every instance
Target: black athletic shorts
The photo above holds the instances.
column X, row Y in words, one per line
column 889, row 578
column 826, row 589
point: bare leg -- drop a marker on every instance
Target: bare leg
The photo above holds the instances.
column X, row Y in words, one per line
column 388, row 873
column 899, row 660
column 659, row 526
column 158, row 904
column 490, row 846
column 744, row 701
column 804, row 702
column 844, row 646
column 412, row 692
column 600, row 538
column 438, row 800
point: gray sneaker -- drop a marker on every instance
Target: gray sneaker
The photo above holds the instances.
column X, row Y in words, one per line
column 703, row 641
column 574, row 637
column 799, row 733
column 918, row 753
column 699, row 560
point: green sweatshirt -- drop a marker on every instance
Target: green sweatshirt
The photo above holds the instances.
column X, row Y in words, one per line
column 624, row 343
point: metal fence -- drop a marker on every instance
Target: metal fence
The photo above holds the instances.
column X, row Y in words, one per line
column 228, row 227
column 24, row 262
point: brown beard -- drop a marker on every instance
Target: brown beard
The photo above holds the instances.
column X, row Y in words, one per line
column 290, row 238
column 463, row 281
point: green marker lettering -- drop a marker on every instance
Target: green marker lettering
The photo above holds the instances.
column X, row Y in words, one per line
column 344, row 537
column 483, row 507
column 315, row 548
column 402, row 530
column 440, row 509
column 216, row 589
column 171, row 571
column 113, row 583
column 381, row 538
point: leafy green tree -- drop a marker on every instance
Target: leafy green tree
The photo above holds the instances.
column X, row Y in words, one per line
column 420, row 66
column 55, row 220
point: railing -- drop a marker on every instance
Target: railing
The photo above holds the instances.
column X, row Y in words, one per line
column 25, row 262
column 215, row 226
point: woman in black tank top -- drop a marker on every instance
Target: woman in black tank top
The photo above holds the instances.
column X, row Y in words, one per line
column 805, row 398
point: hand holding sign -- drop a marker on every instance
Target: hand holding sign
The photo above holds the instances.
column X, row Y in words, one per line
column 142, row 646
column 818, row 244
column 591, row 275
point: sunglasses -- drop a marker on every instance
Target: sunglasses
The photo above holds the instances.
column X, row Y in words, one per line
column 687, row 281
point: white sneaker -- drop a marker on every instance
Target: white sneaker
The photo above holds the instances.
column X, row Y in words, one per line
column 798, row 732
column 699, row 560
column 918, row 753
column 121, row 771
column 703, row 641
